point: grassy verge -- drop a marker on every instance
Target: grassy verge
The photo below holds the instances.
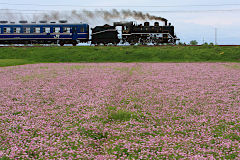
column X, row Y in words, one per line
column 13, row 62
column 17, row 56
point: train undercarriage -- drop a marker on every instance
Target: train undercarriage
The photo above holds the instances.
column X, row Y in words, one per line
column 29, row 42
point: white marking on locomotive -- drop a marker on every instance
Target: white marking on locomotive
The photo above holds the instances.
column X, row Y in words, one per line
column 57, row 36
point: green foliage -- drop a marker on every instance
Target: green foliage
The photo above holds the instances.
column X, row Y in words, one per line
column 16, row 113
column 4, row 158
column 18, row 56
column 180, row 43
column 233, row 137
column 193, row 42
column 16, row 129
column 231, row 156
column 119, row 151
column 13, row 62
column 92, row 134
column 32, row 154
column 219, row 130
column 120, row 115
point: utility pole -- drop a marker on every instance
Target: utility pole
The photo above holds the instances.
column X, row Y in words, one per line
column 215, row 36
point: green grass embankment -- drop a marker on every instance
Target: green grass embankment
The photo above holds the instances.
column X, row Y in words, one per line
column 23, row 55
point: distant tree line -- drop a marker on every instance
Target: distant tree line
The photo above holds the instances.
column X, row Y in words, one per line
column 195, row 42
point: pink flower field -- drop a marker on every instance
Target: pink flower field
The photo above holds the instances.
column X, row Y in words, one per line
column 120, row 111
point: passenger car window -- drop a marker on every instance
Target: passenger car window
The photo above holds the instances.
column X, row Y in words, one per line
column 16, row 30
column 74, row 29
column 6, row 30
column 26, row 30
column 82, row 29
column 66, row 29
column 46, row 29
column 36, row 30
column 56, row 29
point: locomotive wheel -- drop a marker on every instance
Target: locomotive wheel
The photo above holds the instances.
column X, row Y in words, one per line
column 74, row 43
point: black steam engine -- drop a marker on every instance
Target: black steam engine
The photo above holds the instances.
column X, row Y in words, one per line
column 132, row 34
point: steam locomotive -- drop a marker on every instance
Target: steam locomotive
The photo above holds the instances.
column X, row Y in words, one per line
column 63, row 33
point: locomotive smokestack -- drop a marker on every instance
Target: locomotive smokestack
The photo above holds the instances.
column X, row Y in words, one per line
column 166, row 22
column 146, row 24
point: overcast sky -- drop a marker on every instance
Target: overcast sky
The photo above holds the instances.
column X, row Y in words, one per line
column 193, row 19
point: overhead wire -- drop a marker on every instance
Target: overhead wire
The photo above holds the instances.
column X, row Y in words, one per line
column 13, row 11
column 31, row 11
column 97, row 6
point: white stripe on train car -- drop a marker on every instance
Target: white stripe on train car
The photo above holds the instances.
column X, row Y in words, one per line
column 109, row 30
column 30, row 38
column 39, row 34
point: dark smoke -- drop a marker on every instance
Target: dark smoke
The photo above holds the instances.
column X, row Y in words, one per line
column 85, row 16
column 123, row 14
column 106, row 15
column 55, row 15
column 89, row 14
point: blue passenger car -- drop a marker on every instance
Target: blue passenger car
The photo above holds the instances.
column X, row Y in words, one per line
column 47, row 33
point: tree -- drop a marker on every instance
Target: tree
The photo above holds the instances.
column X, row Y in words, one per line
column 180, row 43
column 193, row 42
